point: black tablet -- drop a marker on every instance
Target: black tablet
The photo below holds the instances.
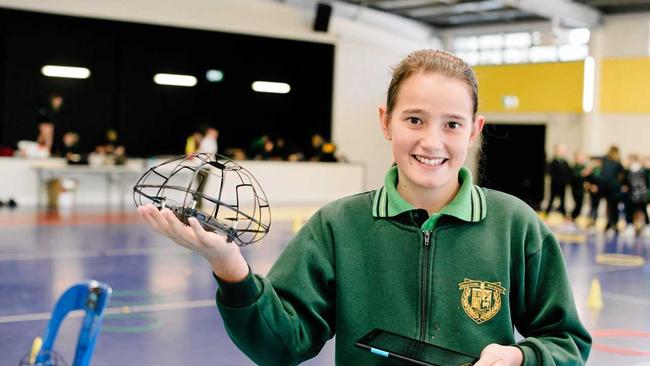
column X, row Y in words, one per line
column 387, row 344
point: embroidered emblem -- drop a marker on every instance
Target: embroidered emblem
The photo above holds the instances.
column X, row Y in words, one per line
column 481, row 300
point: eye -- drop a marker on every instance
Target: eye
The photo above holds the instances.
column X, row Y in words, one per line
column 414, row 121
column 453, row 125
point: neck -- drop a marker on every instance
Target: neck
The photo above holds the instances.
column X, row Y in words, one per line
column 431, row 199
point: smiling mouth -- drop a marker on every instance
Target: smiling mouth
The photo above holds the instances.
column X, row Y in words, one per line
column 430, row 162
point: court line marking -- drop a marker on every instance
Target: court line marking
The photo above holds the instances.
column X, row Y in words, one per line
column 76, row 254
column 626, row 298
column 180, row 305
column 616, row 296
column 590, row 270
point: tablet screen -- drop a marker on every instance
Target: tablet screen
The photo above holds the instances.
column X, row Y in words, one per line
column 412, row 350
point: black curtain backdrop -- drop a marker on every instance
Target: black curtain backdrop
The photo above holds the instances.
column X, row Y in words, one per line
column 153, row 119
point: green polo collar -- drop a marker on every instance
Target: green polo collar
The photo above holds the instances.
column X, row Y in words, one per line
column 468, row 205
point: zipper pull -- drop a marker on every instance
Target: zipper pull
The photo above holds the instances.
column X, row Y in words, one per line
column 427, row 237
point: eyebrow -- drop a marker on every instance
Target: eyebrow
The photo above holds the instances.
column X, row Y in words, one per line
column 455, row 116
column 422, row 111
column 414, row 111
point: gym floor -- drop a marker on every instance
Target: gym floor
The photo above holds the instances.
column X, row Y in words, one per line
column 162, row 311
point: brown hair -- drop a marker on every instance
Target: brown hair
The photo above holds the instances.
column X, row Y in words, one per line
column 613, row 153
column 434, row 61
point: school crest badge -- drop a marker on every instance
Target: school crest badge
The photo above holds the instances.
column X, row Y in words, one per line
column 481, row 300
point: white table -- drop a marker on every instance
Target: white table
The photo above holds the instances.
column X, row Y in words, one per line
column 115, row 177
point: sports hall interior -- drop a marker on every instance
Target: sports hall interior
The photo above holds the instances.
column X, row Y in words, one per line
column 572, row 73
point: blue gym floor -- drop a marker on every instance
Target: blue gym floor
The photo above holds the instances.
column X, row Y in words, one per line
column 162, row 311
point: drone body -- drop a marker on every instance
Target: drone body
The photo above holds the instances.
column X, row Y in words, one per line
column 221, row 194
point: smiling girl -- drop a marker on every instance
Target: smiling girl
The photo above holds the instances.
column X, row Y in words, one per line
column 429, row 255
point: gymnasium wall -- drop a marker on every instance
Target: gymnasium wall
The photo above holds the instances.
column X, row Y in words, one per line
column 367, row 44
column 551, row 94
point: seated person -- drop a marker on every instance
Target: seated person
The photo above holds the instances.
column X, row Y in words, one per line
column 70, row 149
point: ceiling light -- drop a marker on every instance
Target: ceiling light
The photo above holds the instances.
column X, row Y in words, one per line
column 214, row 76
column 65, row 72
column 271, row 87
column 174, row 79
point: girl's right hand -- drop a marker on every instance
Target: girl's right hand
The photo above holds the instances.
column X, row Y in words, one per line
column 224, row 257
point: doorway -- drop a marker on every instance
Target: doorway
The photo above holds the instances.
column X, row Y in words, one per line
column 514, row 160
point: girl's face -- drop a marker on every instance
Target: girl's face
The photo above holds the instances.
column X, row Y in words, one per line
column 431, row 128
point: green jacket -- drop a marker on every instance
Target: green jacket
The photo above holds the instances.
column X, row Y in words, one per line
column 463, row 285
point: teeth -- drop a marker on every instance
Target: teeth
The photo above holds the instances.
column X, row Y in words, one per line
column 432, row 162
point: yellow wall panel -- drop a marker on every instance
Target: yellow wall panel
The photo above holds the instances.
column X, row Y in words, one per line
column 625, row 85
column 544, row 87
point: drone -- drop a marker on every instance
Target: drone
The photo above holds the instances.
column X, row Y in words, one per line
column 222, row 195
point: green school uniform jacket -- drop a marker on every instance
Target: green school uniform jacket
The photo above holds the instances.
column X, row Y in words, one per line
column 461, row 279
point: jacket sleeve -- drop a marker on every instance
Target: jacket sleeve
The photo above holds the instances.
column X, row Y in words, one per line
column 287, row 317
column 555, row 335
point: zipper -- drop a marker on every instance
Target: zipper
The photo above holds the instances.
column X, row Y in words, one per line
column 424, row 283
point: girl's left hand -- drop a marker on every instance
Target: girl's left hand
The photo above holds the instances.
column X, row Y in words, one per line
column 498, row 355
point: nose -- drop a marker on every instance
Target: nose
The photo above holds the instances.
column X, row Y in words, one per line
column 431, row 138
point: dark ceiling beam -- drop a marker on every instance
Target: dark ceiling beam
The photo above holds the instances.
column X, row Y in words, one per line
column 569, row 14
column 461, row 8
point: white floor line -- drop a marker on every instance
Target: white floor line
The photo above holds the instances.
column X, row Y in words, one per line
column 181, row 305
column 595, row 269
column 76, row 254
column 626, row 298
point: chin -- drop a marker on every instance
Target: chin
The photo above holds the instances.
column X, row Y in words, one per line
column 429, row 182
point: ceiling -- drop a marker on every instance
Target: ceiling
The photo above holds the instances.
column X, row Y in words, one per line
column 467, row 13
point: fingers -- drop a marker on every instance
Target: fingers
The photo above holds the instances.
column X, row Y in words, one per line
column 489, row 361
column 179, row 232
column 497, row 355
column 489, row 356
column 198, row 230
column 193, row 237
column 166, row 223
column 147, row 213
column 204, row 237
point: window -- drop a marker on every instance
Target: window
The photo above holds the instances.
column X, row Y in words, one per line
column 521, row 47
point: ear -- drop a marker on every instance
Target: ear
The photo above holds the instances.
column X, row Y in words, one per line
column 384, row 120
column 477, row 127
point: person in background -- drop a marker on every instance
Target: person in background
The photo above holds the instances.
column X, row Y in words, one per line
column 49, row 117
column 209, row 144
column 45, row 138
column 578, row 173
column 287, row 151
column 193, row 142
column 115, row 152
column 268, row 150
column 98, row 157
column 111, row 140
column 257, row 147
column 70, row 149
column 592, row 179
column 560, row 174
column 119, row 155
column 315, row 150
column 328, row 153
column 635, row 186
column 611, row 175
column 280, row 149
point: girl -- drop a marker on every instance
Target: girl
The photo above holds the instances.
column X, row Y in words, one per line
column 429, row 255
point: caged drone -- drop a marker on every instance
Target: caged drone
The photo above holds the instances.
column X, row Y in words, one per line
column 221, row 194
